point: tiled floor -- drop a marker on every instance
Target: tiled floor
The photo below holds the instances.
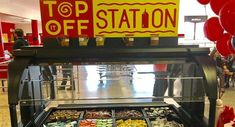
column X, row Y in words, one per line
column 229, row 97
column 90, row 87
column 4, row 112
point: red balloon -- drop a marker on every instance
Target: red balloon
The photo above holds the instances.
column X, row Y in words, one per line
column 212, row 29
column 227, row 17
column 203, row 2
column 222, row 45
column 216, row 5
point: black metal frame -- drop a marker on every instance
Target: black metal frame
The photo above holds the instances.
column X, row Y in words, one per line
column 37, row 55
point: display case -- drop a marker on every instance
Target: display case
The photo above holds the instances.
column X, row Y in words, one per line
column 184, row 94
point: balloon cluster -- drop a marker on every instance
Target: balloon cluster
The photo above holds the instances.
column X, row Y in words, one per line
column 221, row 28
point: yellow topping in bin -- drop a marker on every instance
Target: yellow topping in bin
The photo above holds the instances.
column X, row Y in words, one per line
column 131, row 123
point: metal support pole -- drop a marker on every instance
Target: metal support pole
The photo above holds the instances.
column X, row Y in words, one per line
column 13, row 115
column 3, row 90
column 194, row 32
column 170, row 83
column 72, row 83
column 78, row 79
column 56, row 78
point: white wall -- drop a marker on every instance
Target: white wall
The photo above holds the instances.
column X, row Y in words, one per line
column 27, row 27
column 192, row 7
column 23, row 8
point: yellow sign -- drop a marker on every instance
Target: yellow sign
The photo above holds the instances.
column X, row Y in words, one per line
column 139, row 18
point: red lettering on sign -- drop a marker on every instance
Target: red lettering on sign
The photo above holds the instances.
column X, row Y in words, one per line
column 124, row 18
column 157, row 14
column 134, row 16
column 113, row 16
column 102, row 18
column 145, row 19
column 172, row 19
